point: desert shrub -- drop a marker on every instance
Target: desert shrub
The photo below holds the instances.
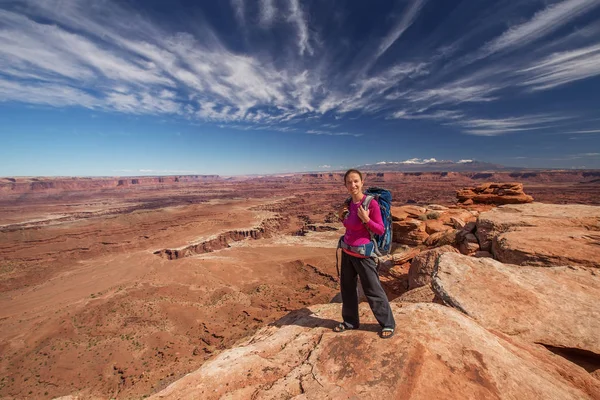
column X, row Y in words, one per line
column 432, row 215
column 422, row 217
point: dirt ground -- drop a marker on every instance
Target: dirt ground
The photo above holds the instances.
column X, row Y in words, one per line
column 91, row 303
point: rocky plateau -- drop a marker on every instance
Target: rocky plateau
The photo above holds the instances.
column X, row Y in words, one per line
column 209, row 287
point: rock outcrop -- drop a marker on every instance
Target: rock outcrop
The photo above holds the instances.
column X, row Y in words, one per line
column 423, row 264
column 542, row 234
column 437, row 352
column 430, row 226
column 553, row 306
column 494, row 193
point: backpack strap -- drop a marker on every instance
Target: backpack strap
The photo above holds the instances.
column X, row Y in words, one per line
column 365, row 205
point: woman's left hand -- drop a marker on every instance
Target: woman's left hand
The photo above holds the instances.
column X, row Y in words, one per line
column 363, row 215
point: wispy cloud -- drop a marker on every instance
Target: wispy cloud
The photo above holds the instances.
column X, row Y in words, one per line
column 586, row 131
column 501, row 126
column 562, row 68
column 297, row 17
column 239, row 10
column 267, row 12
column 542, row 23
column 407, row 19
column 329, row 133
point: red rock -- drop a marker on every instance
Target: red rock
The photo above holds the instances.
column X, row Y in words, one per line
column 555, row 306
column 541, row 234
column 436, row 353
column 435, row 225
column 423, row 265
column 494, row 193
column 448, row 237
column 422, row 294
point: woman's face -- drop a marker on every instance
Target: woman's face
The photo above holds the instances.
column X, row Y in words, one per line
column 353, row 183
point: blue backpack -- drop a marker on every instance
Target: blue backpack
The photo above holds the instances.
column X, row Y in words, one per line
column 384, row 198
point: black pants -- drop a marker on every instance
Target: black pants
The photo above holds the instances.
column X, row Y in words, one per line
column 366, row 269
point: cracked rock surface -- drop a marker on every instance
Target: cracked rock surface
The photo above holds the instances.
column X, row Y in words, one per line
column 437, row 352
column 542, row 234
column 554, row 306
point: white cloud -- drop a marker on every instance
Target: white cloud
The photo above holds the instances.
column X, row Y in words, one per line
column 325, row 166
column 399, row 28
column 542, row 23
column 415, row 161
column 438, row 115
column 239, row 11
column 267, row 12
column 464, row 161
column 500, row 126
column 562, row 68
column 586, row 131
column 297, row 17
column 47, row 94
column 329, row 133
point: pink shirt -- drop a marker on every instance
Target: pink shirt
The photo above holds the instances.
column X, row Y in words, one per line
column 356, row 233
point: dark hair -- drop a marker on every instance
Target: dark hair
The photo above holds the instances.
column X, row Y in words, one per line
column 352, row 171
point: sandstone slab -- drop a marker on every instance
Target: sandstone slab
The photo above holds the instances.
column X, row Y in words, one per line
column 437, row 352
column 554, row 306
column 540, row 234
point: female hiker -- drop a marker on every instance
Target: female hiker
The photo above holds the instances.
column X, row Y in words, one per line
column 356, row 261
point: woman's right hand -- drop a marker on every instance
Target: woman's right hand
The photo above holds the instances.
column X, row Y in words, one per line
column 343, row 212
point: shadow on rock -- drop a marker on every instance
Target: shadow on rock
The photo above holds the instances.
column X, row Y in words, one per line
column 306, row 318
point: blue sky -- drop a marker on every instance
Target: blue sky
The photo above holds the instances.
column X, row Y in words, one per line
column 238, row 87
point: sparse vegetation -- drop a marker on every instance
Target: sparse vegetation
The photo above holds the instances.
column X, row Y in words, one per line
column 429, row 215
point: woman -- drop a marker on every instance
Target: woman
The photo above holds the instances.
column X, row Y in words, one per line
column 358, row 223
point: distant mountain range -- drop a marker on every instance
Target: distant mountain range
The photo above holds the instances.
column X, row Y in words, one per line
column 435, row 166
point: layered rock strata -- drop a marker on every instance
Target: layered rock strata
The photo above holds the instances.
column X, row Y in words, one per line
column 494, row 193
column 542, row 234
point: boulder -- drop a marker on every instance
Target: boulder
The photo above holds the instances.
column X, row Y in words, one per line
column 398, row 214
column 469, row 244
column 448, row 237
column 469, row 227
column 435, row 225
column 553, row 306
column 413, row 211
column 541, row 234
column 405, row 256
column 422, row 266
column 436, row 353
column 457, row 223
column 409, row 232
column 414, row 238
column 407, row 225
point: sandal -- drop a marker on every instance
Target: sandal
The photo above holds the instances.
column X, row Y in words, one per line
column 341, row 327
column 386, row 333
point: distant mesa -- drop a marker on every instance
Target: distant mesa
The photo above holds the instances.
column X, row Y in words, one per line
column 41, row 184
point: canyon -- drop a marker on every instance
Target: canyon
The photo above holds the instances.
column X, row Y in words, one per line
column 118, row 287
